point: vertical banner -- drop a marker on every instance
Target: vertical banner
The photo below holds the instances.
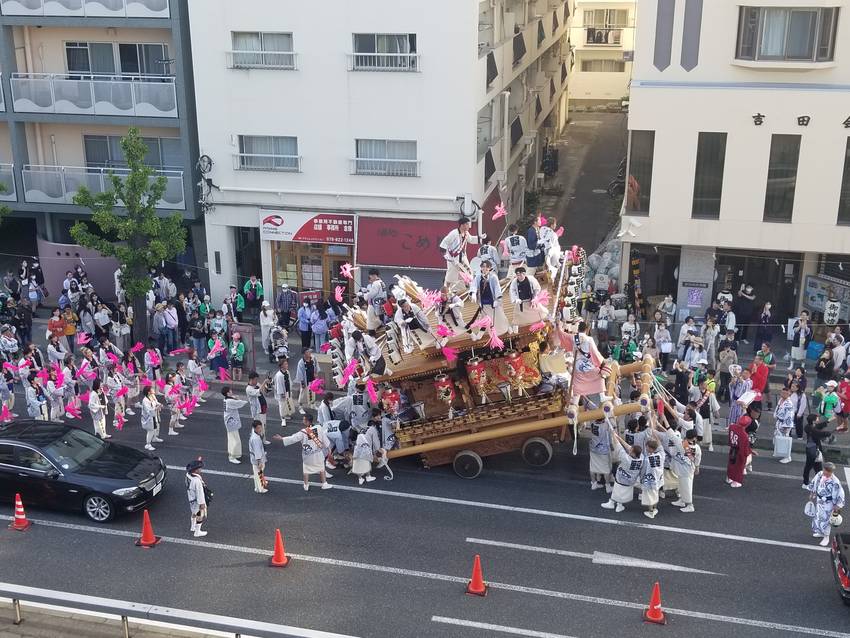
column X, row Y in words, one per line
column 636, row 288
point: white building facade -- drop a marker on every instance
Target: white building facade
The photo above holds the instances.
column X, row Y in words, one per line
column 360, row 136
column 603, row 45
column 739, row 161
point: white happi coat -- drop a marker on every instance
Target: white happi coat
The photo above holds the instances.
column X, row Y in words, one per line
column 313, row 451
column 829, row 495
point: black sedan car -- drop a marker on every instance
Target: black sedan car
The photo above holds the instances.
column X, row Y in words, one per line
column 841, row 565
column 60, row 466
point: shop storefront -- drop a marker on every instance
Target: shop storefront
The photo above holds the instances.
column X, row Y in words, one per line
column 308, row 249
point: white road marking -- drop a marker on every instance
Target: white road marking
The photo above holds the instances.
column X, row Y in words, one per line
column 598, row 558
column 533, row 511
column 502, row 629
column 400, row 571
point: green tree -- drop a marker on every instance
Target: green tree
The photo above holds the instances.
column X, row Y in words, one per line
column 137, row 237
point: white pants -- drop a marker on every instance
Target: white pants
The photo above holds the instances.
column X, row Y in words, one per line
column 234, row 444
column 256, row 469
column 100, row 426
column 306, row 398
column 284, row 406
column 150, row 435
column 57, row 410
column 453, row 279
column 686, row 488
column 373, row 321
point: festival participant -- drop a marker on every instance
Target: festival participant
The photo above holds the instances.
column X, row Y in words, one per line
column 195, row 374
column 364, row 348
column 784, row 419
column 376, row 297
column 413, row 325
column 171, row 399
column 517, row 249
column 114, row 382
column 55, row 393
column 630, row 459
column 315, row 447
column 588, row 363
column 738, row 387
column 150, row 417
column 232, row 423
column 524, row 288
column 335, row 428
column 535, row 257
column 256, row 393
column 196, row 491
column 98, row 407
column 257, row 454
column 686, row 462
column 355, row 407
column 739, row 451
column 652, row 479
column 600, row 456
column 283, row 391
column 36, row 399
column 487, row 293
column 364, row 453
column 306, row 372
column 450, row 309
column 453, row 246
column 827, row 494
column 487, row 251
column 153, row 361
column 550, row 247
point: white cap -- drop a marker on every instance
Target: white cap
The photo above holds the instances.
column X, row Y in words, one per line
column 831, row 384
column 265, row 304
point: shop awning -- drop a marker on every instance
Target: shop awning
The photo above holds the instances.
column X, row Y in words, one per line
column 403, row 243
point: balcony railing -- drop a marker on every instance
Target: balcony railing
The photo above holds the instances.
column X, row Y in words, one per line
column 386, row 167
column 59, row 184
column 604, row 37
column 139, row 95
column 7, row 183
column 262, row 162
column 280, row 60
column 87, row 8
column 383, row 62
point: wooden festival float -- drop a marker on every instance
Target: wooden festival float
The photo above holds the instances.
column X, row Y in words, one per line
column 466, row 400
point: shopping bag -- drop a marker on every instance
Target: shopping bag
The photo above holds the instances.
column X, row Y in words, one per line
column 781, row 446
column 809, row 509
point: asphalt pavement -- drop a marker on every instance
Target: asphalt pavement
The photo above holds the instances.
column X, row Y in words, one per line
column 392, row 558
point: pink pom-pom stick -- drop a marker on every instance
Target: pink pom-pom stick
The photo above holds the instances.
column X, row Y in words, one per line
column 175, row 390
column 153, row 357
column 202, row 385
column 119, row 421
column 467, row 278
column 317, row 386
column 10, row 366
column 146, row 382
column 482, row 324
column 560, row 231
column 350, row 369
column 82, row 338
column 43, row 374
column 131, row 368
column 430, row 298
column 177, row 351
column 370, row 388
column 73, row 411
column 223, row 374
column 217, row 347
column 535, row 327
column 338, row 293
column 137, row 347
column 84, row 397
column 495, row 343
column 504, row 248
column 122, row 391
column 444, row 331
column 500, row 212
column 160, row 383
column 5, row 414
column 543, row 220
column 347, row 270
column 541, row 299
column 449, row 353
column 325, row 347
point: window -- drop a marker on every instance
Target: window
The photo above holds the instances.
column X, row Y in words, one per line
column 538, row 107
column 394, row 158
column 492, row 70
column 781, row 178
column 605, row 26
column 104, row 151
column 144, row 59
column 708, row 179
column 258, row 50
column 516, row 131
column 32, row 460
column 267, row 153
column 641, row 153
column 7, row 455
column 541, row 33
column 603, row 66
column 385, row 52
column 844, row 198
column 90, row 58
column 107, row 58
column 519, row 48
column 773, row 33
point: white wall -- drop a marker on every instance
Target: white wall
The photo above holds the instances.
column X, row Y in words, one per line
column 677, row 105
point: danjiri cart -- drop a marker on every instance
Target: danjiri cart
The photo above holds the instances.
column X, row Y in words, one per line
column 459, row 400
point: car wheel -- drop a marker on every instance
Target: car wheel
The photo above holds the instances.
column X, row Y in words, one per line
column 98, row 508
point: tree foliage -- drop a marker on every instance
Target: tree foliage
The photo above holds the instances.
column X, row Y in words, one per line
column 137, row 237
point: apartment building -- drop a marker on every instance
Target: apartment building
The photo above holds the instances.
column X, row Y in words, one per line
column 76, row 74
column 360, row 135
column 603, row 45
column 739, row 159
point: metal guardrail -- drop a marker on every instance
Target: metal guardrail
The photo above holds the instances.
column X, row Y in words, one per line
column 139, row 611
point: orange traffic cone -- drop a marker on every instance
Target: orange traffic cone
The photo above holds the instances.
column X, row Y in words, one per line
column 476, row 586
column 653, row 613
column 147, row 539
column 279, row 559
column 20, row 523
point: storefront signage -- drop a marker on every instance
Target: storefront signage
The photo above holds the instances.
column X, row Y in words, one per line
column 818, row 291
column 405, row 243
column 307, row 227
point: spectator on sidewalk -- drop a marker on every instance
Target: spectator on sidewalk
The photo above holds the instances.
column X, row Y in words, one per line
column 253, row 293
column 319, row 325
column 764, row 328
column 234, row 304
column 159, row 330
column 304, row 314
column 198, row 329
column 268, row 319
column 71, row 319
column 285, row 304
column 56, row 327
column 171, row 326
column 801, row 336
column 744, row 306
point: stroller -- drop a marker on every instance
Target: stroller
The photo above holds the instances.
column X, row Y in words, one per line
column 278, row 344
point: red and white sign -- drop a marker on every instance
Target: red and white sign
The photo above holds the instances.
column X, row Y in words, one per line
column 301, row 226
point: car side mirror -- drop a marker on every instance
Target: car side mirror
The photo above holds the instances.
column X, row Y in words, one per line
column 53, row 474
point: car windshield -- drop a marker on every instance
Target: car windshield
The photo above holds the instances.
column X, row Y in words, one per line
column 74, row 449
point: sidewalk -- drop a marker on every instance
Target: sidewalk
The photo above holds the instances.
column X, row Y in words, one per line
column 42, row 622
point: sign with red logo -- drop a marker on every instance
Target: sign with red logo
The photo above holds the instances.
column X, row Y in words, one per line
column 404, row 243
column 301, row 226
